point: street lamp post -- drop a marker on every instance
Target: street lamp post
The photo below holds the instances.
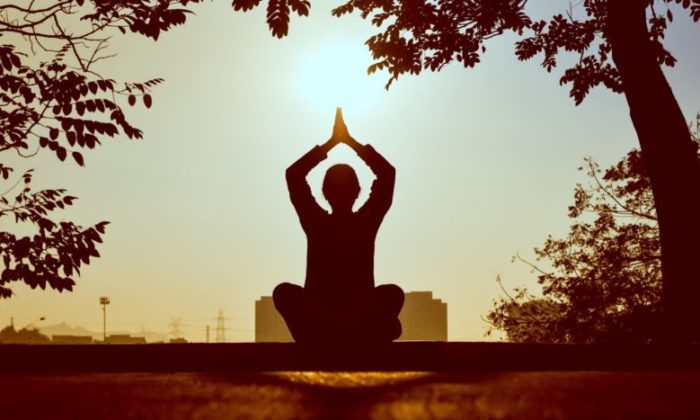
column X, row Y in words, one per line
column 104, row 301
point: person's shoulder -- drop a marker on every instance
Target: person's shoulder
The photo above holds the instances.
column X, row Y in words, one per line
column 319, row 215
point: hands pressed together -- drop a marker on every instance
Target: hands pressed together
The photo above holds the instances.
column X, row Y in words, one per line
column 340, row 133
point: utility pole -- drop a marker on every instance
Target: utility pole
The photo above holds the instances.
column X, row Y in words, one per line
column 220, row 329
column 104, row 301
column 207, row 333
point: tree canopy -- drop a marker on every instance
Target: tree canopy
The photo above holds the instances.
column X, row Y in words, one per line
column 51, row 98
column 423, row 35
column 602, row 282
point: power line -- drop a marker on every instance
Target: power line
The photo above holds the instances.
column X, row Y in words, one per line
column 175, row 327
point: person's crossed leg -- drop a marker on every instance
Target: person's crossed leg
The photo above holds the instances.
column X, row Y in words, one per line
column 371, row 316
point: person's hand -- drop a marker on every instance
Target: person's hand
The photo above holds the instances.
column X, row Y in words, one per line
column 340, row 130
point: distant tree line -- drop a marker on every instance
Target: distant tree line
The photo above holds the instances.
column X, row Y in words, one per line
column 10, row 335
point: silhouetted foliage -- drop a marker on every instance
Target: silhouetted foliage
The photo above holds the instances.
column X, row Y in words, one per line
column 277, row 12
column 51, row 98
column 605, row 278
column 419, row 35
column 9, row 335
column 526, row 318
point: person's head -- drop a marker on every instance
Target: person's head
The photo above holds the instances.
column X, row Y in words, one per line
column 341, row 187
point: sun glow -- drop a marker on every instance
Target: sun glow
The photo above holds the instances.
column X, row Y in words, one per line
column 336, row 75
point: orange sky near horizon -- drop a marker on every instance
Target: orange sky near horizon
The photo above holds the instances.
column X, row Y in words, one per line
column 200, row 218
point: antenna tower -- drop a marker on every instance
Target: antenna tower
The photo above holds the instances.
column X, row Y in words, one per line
column 220, row 329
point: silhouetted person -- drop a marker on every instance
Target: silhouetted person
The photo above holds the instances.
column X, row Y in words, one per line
column 339, row 301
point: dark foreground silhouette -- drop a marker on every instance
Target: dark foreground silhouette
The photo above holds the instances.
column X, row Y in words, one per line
column 358, row 395
column 339, row 300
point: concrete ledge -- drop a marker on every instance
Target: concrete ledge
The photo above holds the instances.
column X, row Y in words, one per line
column 401, row 356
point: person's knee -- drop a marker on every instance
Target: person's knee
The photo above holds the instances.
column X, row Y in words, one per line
column 392, row 296
column 384, row 330
column 395, row 330
column 284, row 294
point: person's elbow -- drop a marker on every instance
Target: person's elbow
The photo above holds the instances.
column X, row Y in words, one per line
column 389, row 173
column 292, row 174
column 390, row 170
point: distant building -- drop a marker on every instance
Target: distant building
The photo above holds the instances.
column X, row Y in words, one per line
column 124, row 339
column 422, row 318
column 71, row 339
column 269, row 324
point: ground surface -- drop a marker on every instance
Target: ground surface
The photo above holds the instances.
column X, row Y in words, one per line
column 355, row 395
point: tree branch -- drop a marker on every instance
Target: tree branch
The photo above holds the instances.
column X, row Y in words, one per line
column 613, row 198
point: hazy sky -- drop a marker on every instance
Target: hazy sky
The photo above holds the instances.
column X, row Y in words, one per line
column 486, row 163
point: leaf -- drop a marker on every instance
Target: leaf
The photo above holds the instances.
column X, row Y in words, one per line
column 6, row 62
column 70, row 135
column 61, row 153
column 78, row 159
column 301, row 7
column 90, row 140
column 101, row 226
column 244, row 5
column 278, row 17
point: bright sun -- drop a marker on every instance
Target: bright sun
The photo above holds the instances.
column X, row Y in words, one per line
column 336, row 75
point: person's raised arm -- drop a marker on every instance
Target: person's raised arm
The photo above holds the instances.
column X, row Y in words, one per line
column 381, row 167
column 301, row 168
column 299, row 190
column 383, row 187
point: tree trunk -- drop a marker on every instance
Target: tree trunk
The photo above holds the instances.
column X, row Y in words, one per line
column 671, row 158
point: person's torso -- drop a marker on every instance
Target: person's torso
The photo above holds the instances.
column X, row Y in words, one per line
column 340, row 254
